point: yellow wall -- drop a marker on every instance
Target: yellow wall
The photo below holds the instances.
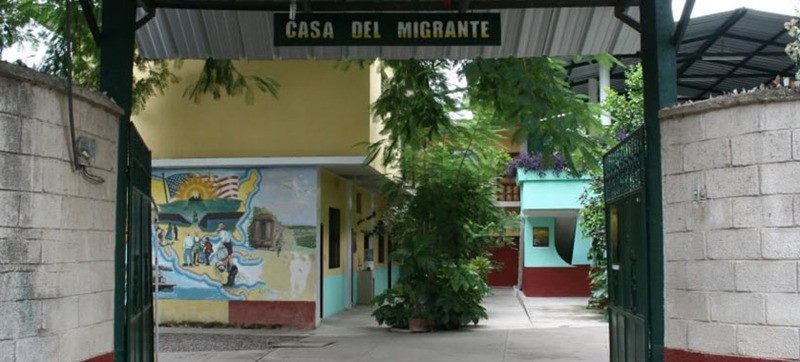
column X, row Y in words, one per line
column 203, row 311
column 333, row 193
column 320, row 111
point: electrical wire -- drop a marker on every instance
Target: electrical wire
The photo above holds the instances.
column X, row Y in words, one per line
column 82, row 169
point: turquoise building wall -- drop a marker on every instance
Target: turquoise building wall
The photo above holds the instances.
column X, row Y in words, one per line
column 381, row 277
column 332, row 294
column 548, row 192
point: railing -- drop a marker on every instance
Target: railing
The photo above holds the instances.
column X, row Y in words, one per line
column 509, row 191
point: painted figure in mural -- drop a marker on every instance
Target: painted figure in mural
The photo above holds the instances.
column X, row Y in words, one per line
column 197, row 250
column 223, row 236
column 208, row 249
column 188, row 246
column 300, row 267
column 227, row 265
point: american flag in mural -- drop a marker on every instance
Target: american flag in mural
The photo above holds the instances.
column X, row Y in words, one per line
column 174, row 182
column 227, row 187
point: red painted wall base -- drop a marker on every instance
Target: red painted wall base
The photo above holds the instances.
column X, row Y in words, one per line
column 556, row 282
column 508, row 257
column 108, row 357
column 272, row 313
column 679, row 355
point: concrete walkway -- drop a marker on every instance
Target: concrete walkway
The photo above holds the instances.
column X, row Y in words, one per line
column 507, row 335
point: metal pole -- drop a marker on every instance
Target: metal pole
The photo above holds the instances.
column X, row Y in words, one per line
column 116, row 80
column 660, row 83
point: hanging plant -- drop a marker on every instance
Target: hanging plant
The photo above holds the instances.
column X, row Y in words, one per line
column 220, row 75
column 556, row 163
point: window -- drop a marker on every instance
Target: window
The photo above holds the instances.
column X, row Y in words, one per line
column 613, row 225
column 358, row 202
column 541, row 236
column 381, row 249
column 334, row 242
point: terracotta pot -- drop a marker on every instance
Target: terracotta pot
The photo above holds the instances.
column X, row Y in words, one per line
column 418, row 325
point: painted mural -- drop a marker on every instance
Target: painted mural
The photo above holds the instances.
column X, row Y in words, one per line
column 235, row 234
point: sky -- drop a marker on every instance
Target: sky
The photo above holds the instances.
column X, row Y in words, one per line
column 32, row 56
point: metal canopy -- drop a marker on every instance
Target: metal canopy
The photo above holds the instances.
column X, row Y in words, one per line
column 742, row 48
column 180, row 29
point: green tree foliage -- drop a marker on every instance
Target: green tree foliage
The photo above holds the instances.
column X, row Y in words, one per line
column 44, row 24
column 627, row 114
column 532, row 98
column 221, row 75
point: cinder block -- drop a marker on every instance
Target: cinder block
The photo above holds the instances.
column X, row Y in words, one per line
column 688, row 305
column 768, row 342
column 45, row 140
column 681, row 131
column 9, row 212
column 674, row 218
column 38, row 210
column 17, row 282
column 79, row 213
column 74, row 348
column 96, row 307
column 20, row 251
column 37, row 348
column 733, row 244
column 710, row 275
column 732, row 121
column 9, row 102
column 50, row 106
column 96, row 121
column 773, row 116
column 747, row 308
column 758, row 148
column 7, row 351
column 60, row 314
column 20, row 318
column 766, row 276
column 780, row 178
column 705, row 155
column 676, row 334
column 671, row 159
column 682, row 187
column 10, row 128
column 731, row 182
column 714, row 338
column 783, row 309
column 773, row 210
column 54, row 176
column 16, row 174
column 709, row 215
column 781, row 243
column 684, row 246
column 676, row 275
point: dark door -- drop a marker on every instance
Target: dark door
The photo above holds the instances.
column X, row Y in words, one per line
column 506, row 260
column 628, row 287
column 138, row 254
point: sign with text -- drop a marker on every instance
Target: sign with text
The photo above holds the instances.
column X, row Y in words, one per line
column 386, row 29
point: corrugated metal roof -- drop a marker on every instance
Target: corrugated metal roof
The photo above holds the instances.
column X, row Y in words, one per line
column 229, row 34
column 704, row 76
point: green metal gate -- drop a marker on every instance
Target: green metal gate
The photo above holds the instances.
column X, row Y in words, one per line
column 138, row 329
column 626, row 231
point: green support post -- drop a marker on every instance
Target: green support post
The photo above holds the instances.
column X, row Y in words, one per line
column 116, row 80
column 660, row 90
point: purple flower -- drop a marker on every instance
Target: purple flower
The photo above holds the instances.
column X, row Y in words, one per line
column 559, row 163
column 622, row 135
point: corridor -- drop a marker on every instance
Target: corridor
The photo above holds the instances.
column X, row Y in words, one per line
column 508, row 335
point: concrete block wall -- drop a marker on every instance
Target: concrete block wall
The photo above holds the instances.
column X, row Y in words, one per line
column 56, row 229
column 731, row 192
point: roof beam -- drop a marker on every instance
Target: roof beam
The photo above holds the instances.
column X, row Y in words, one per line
column 753, row 40
column 91, row 20
column 620, row 9
column 729, row 23
column 389, row 5
column 746, row 59
column 735, row 54
column 680, row 29
column 743, row 66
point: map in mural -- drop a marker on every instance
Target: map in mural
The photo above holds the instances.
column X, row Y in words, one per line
column 235, row 234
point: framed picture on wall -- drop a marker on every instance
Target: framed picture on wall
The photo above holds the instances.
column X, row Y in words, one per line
column 541, row 236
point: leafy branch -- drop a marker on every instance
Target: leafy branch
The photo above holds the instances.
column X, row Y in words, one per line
column 219, row 75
